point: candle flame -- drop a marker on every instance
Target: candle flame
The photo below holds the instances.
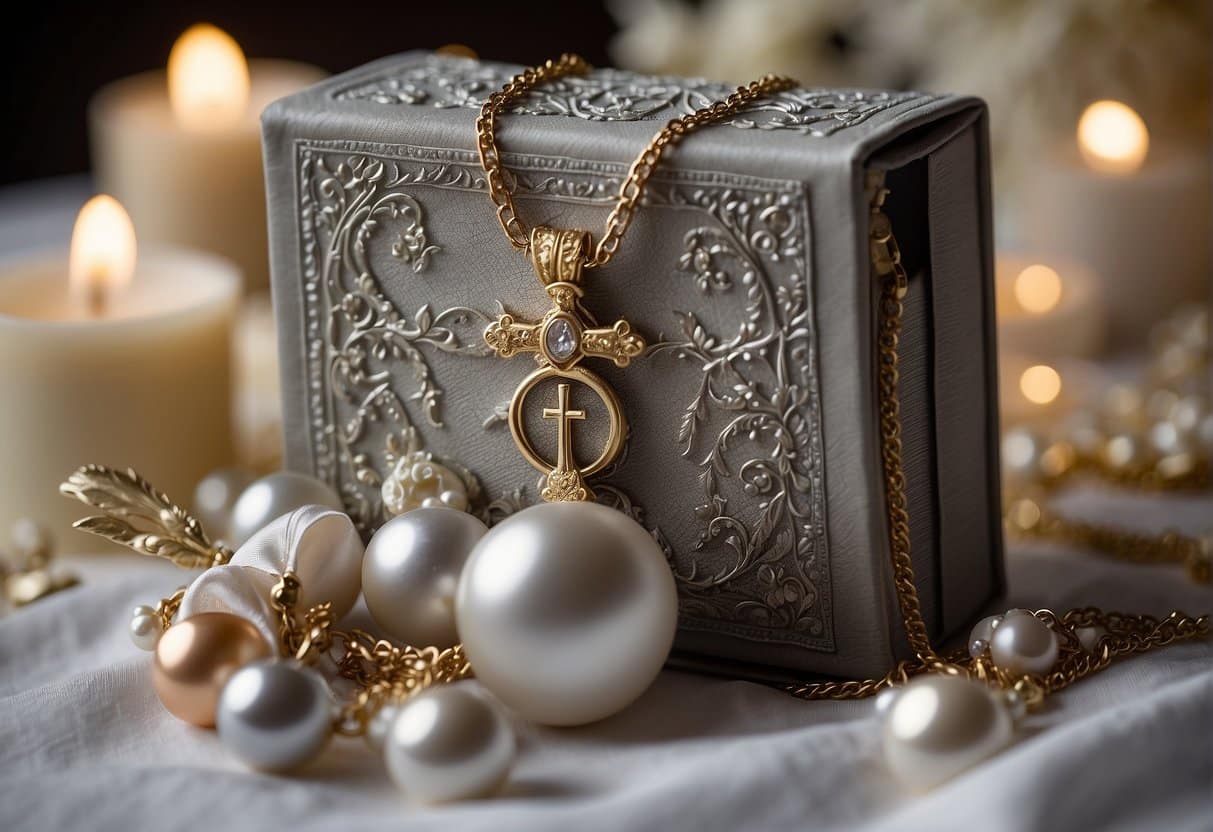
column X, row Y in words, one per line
column 208, row 79
column 1112, row 137
column 102, row 258
column 1040, row 384
column 1037, row 289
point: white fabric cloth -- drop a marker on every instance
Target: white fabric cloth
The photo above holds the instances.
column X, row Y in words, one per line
column 84, row 743
column 318, row 544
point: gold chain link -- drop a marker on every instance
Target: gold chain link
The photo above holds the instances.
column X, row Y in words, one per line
column 1125, row 634
column 646, row 163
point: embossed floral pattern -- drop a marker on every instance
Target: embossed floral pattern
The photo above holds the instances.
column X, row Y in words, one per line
column 758, row 566
column 615, row 95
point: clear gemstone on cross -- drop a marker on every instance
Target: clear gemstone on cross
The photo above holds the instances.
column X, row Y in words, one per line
column 560, row 339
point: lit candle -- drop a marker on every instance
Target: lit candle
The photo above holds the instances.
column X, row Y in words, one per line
column 182, row 149
column 1038, row 393
column 111, row 359
column 1137, row 212
column 1048, row 307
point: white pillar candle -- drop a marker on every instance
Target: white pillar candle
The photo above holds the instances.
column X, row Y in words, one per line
column 1048, row 307
column 182, row 149
column 1138, row 214
column 95, row 372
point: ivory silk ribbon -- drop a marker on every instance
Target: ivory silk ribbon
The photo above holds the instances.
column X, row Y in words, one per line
column 318, row 544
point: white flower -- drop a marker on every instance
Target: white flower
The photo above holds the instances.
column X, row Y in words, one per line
column 417, row 481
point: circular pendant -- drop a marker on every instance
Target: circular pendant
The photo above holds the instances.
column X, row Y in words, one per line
column 567, row 611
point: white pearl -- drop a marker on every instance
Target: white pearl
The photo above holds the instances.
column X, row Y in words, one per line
column 978, row 647
column 1016, row 706
column 1023, row 644
column 274, row 715
column 411, row 570
column 273, row 496
column 941, row 725
column 567, row 611
column 885, row 699
column 215, row 497
column 449, row 743
column 379, row 725
column 1089, row 637
column 145, row 628
column 983, row 630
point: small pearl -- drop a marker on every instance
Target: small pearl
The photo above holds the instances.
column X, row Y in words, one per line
column 379, row 725
column 145, row 628
column 978, row 647
column 275, row 715
column 454, row 499
column 449, row 743
column 1023, row 644
column 31, row 540
column 942, row 725
column 411, row 570
column 983, row 630
column 885, row 699
column 1089, row 637
column 215, row 497
column 273, row 496
column 1016, row 705
column 195, row 658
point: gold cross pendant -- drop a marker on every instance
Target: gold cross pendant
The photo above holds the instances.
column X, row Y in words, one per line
column 560, row 340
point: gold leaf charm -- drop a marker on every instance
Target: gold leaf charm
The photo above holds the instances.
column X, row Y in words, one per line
column 561, row 339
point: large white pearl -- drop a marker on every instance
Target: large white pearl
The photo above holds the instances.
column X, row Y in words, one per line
column 411, row 570
column 215, row 497
column 567, row 611
column 1023, row 643
column 941, row 725
column 449, row 743
column 273, row 496
column 274, row 715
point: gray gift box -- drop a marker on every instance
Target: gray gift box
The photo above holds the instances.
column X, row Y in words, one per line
column 754, row 454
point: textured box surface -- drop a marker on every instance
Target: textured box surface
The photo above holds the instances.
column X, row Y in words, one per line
column 753, row 450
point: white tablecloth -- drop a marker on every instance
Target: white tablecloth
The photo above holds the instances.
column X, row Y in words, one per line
column 85, row 744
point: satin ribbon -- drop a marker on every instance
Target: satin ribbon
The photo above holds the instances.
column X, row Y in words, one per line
column 318, row 544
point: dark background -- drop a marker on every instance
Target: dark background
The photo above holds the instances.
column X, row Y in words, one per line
column 56, row 55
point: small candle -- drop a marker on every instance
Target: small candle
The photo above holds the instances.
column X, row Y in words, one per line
column 182, row 149
column 1137, row 212
column 1039, row 393
column 114, row 357
column 1048, row 307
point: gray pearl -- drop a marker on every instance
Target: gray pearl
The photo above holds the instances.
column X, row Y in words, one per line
column 379, row 725
column 567, row 611
column 941, row 725
column 1022, row 644
column 274, row 715
column 449, row 743
column 215, row 497
column 273, row 496
column 411, row 570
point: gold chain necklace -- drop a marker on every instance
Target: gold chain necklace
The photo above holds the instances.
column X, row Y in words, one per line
column 562, row 337
column 571, row 252
column 384, row 672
